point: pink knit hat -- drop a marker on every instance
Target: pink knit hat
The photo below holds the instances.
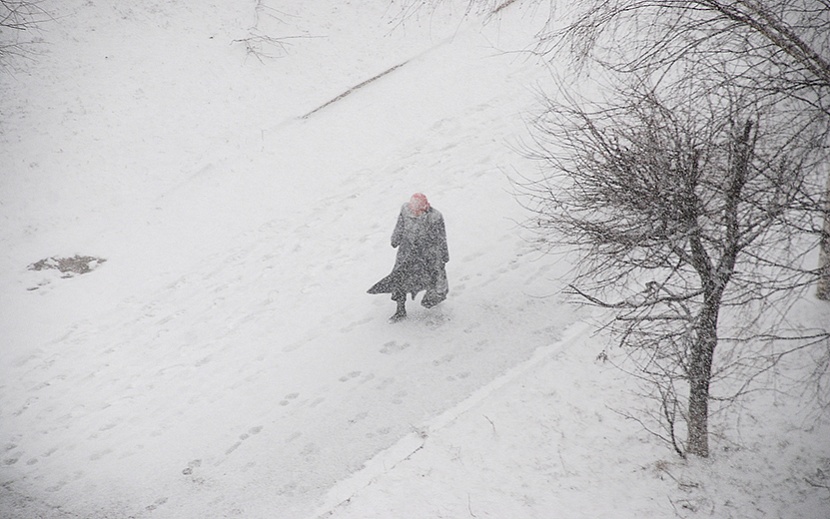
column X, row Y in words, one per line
column 418, row 204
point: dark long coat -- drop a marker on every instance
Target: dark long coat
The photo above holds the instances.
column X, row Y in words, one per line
column 420, row 262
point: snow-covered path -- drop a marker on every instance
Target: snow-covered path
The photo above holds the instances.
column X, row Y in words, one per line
column 229, row 361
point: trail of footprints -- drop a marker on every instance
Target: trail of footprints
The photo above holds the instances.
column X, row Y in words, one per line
column 195, row 464
column 242, row 437
column 12, row 455
column 310, row 449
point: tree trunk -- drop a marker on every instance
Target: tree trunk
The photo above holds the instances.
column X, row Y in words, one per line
column 700, row 373
column 823, row 289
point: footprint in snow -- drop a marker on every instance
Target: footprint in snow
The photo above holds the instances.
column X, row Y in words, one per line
column 56, row 487
column 288, row 398
column 100, row 454
column 359, row 417
column 397, row 398
column 393, row 347
column 310, row 449
column 386, row 382
column 355, row 324
column 349, row 376
column 443, row 360
column 192, row 465
column 158, row 502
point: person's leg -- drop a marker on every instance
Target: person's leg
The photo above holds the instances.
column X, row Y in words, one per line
column 400, row 299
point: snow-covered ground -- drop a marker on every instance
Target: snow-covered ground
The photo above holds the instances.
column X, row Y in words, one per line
column 225, row 361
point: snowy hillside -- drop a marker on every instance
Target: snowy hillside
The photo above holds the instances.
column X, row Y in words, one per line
column 222, row 359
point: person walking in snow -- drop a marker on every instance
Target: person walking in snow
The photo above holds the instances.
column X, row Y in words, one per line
column 421, row 241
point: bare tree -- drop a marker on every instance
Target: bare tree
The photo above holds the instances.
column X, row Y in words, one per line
column 781, row 47
column 683, row 205
column 19, row 18
column 701, row 184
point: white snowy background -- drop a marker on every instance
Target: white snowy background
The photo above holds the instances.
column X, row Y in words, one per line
column 225, row 361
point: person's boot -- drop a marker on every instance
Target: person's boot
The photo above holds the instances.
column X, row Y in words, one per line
column 400, row 313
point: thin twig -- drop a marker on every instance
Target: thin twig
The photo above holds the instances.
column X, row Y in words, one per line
column 470, row 506
column 491, row 423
